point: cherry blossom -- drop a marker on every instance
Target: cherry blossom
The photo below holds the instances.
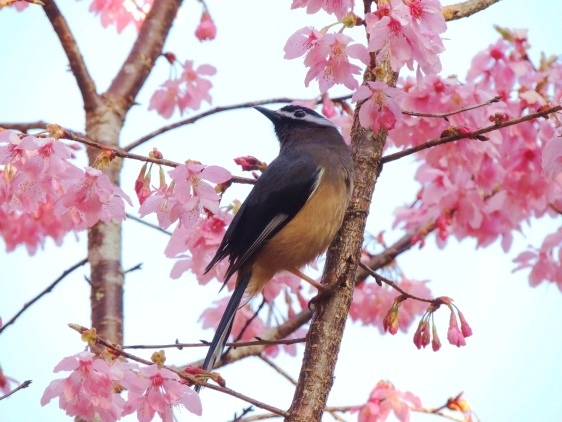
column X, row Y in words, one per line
column 88, row 390
column 381, row 108
column 454, row 335
column 186, row 92
column 327, row 57
column 383, row 400
column 121, row 13
column 155, row 390
column 338, row 7
column 371, row 303
column 206, row 30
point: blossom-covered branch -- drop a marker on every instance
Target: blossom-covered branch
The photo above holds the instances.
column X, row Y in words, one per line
column 468, row 134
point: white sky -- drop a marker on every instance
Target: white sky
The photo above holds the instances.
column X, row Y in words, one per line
column 510, row 370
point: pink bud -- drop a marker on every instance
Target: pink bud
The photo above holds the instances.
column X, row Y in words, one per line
column 206, row 29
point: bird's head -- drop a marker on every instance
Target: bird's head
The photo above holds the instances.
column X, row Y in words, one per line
column 293, row 121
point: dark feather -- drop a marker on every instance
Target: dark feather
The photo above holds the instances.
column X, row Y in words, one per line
column 278, row 195
column 225, row 326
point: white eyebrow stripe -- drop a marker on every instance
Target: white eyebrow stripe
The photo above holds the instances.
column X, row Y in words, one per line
column 322, row 121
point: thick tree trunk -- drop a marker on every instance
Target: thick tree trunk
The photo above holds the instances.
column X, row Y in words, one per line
column 104, row 240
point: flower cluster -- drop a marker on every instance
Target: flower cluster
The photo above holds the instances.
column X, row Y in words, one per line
column 121, row 13
column 455, row 336
column 89, row 391
column 383, row 400
column 186, row 92
column 43, row 195
column 371, row 304
column 485, row 189
column 327, row 57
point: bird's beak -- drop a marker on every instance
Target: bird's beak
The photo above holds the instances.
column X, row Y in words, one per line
column 270, row 114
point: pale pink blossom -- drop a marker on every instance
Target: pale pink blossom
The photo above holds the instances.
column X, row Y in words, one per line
column 88, row 390
column 206, row 30
column 186, row 92
column 407, row 33
column 328, row 61
column 340, row 8
column 301, row 41
column 121, row 13
column 155, row 390
column 454, row 335
column 92, row 198
column 381, row 110
column 384, row 399
column 552, row 158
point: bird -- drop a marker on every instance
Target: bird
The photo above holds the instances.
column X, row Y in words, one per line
column 291, row 215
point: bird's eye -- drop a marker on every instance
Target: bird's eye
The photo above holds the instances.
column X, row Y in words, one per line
column 300, row 114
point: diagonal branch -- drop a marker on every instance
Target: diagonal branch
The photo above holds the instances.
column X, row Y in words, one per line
column 145, row 51
column 466, row 9
column 23, row 385
column 49, row 288
column 471, row 135
column 215, row 110
column 77, row 66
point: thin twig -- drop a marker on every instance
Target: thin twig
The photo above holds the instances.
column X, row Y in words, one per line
column 451, row 113
column 24, row 127
column 44, row 292
column 470, row 135
column 466, row 9
column 392, row 284
column 23, row 385
column 215, row 110
column 147, row 224
column 192, row 379
column 234, row 345
column 278, row 369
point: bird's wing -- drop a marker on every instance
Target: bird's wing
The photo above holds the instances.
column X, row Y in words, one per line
column 278, row 195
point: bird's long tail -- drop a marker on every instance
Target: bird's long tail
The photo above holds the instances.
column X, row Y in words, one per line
column 225, row 325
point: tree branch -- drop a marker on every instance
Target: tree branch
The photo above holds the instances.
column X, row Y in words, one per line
column 85, row 82
column 471, row 135
column 145, row 51
column 215, row 110
column 49, row 288
column 465, row 9
column 24, row 127
column 23, row 385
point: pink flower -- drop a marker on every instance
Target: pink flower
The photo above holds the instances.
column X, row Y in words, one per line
column 206, row 30
column 381, row 108
column 186, row 92
column 328, row 61
column 552, row 158
column 338, row 7
column 407, row 34
column 454, row 335
column 165, row 99
column 92, row 198
column 196, row 86
column 120, row 13
column 193, row 193
column 88, row 390
column 164, row 204
column 385, row 398
column 156, row 390
column 301, row 41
